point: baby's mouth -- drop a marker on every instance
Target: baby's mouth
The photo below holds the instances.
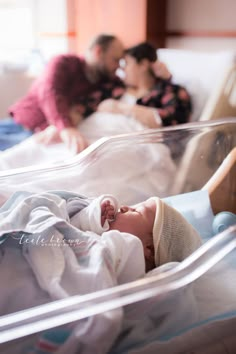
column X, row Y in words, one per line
column 111, row 220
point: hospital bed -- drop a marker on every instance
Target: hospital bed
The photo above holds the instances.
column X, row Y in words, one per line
column 178, row 308
column 209, row 78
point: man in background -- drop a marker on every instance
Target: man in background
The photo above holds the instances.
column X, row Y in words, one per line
column 70, row 88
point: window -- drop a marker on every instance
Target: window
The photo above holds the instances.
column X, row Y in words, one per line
column 17, row 33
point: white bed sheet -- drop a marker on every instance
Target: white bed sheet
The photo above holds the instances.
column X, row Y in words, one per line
column 149, row 169
column 96, row 126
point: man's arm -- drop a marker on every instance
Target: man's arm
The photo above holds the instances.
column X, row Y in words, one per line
column 55, row 102
column 54, row 91
column 148, row 116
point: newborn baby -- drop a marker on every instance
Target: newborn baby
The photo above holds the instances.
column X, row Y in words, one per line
column 165, row 234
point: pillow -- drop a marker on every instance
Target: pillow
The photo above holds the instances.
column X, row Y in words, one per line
column 198, row 72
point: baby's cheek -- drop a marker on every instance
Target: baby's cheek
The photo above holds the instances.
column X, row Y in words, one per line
column 118, row 225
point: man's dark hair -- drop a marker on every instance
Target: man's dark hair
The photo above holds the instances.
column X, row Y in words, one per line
column 103, row 41
column 142, row 51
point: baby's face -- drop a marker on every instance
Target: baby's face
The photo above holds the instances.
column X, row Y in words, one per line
column 137, row 219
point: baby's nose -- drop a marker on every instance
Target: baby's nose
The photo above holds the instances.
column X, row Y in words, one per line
column 124, row 209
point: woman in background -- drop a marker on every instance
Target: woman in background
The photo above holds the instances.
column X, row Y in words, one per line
column 150, row 96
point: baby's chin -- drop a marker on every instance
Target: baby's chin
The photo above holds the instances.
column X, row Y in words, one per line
column 113, row 225
column 116, row 224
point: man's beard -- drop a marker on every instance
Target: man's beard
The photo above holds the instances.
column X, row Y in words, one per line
column 103, row 73
column 99, row 73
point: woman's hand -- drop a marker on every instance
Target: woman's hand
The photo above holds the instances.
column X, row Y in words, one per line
column 160, row 70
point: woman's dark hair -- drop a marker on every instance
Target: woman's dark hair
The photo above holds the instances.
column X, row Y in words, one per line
column 142, row 51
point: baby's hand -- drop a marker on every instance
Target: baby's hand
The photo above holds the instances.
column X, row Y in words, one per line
column 107, row 212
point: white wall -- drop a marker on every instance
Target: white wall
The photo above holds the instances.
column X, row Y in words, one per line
column 202, row 44
column 201, row 15
column 52, row 26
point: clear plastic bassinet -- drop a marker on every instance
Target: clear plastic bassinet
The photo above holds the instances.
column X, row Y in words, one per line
column 161, row 162
column 178, row 308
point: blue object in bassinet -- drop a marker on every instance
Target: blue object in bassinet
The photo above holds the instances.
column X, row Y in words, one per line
column 49, row 341
column 222, row 221
column 196, row 208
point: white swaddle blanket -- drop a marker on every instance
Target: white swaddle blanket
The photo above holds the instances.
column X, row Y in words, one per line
column 155, row 325
column 65, row 261
column 89, row 218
